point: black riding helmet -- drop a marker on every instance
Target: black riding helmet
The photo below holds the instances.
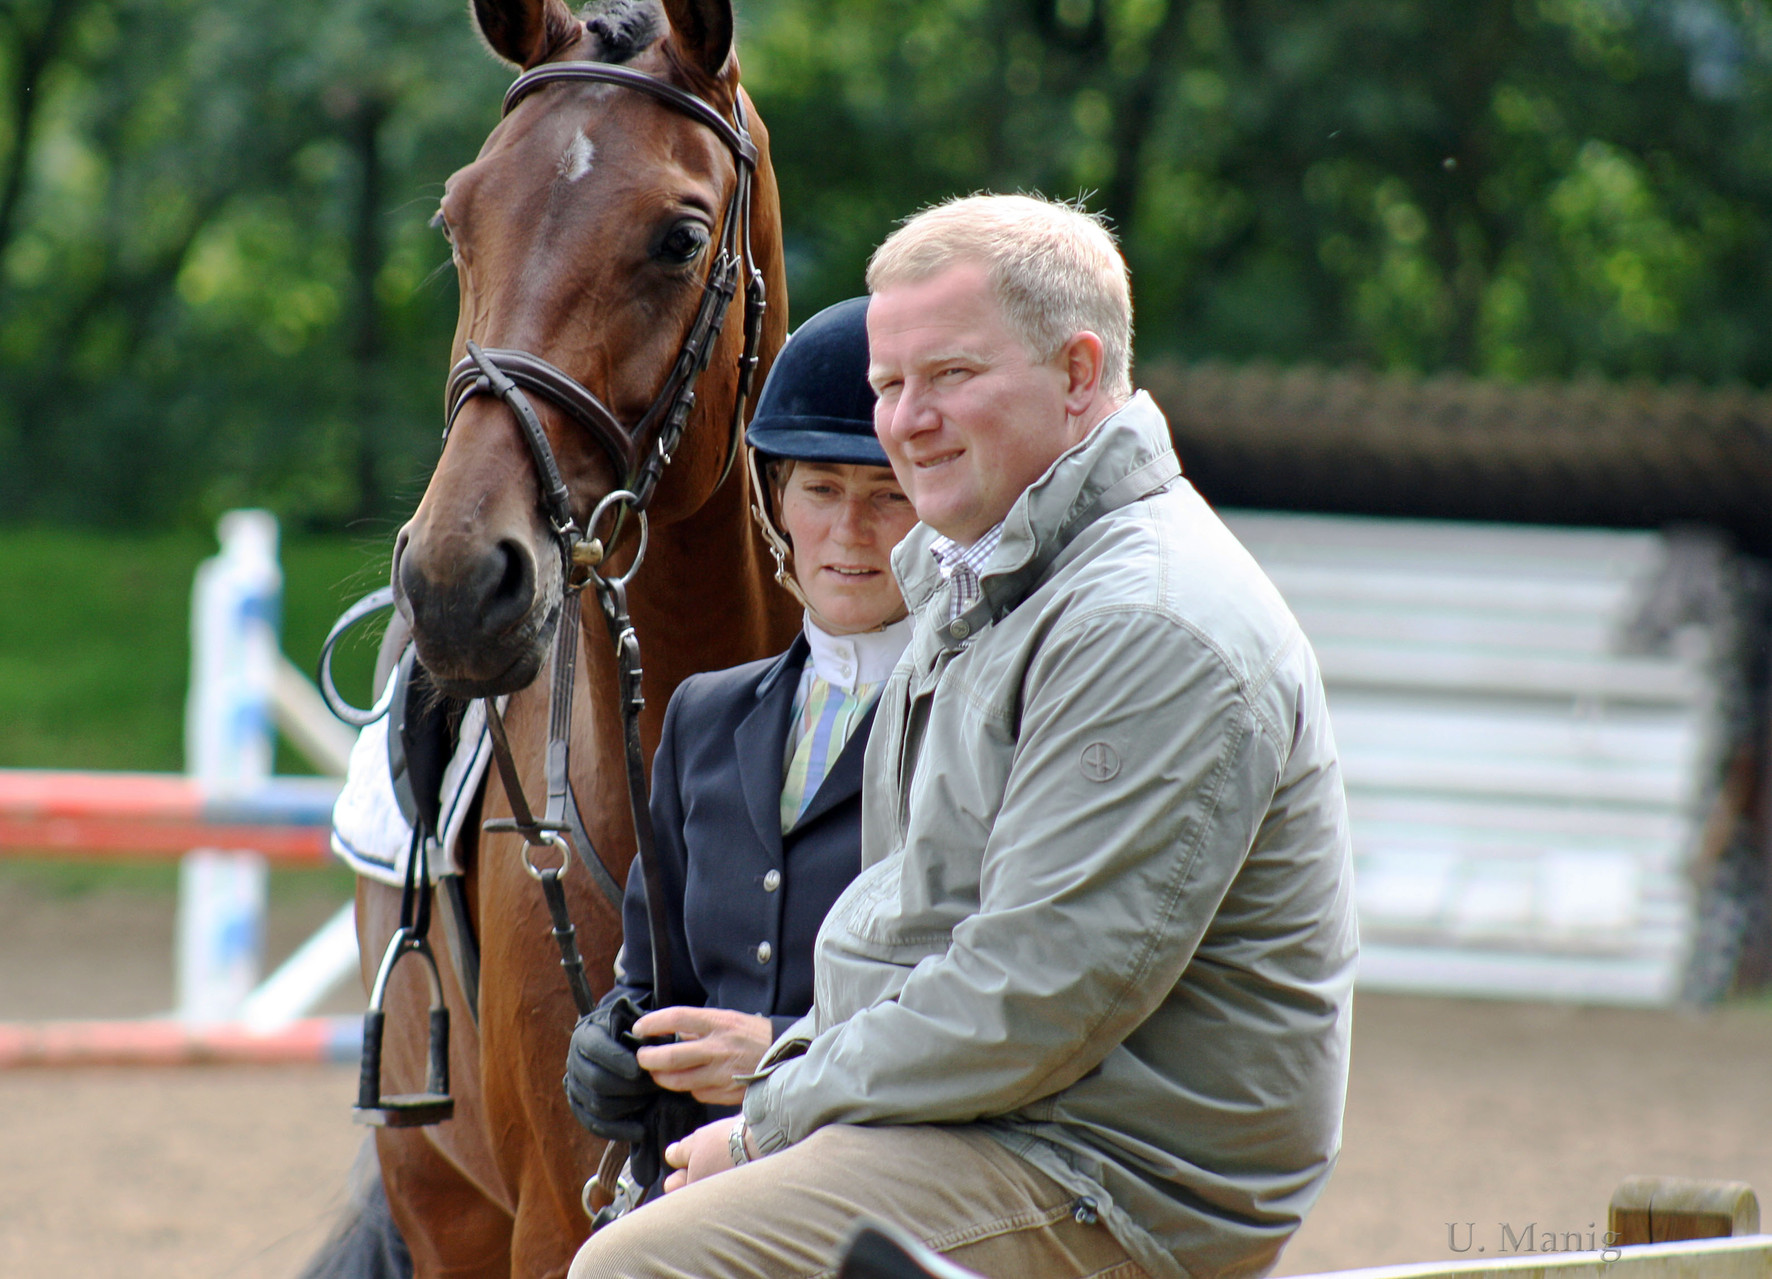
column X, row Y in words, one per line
column 816, row 406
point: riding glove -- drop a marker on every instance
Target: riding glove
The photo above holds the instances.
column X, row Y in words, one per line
column 609, row 1092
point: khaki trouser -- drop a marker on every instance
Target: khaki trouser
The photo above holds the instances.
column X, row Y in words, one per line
column 787, row 1215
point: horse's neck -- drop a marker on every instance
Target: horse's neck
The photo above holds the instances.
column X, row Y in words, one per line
column 705, row 599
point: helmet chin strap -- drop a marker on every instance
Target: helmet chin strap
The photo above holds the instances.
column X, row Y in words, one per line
column 783, row 550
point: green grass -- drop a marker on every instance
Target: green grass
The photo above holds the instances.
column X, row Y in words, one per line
column 320, row 577
column 95, row 644
column 56, row 880
column 94, row 664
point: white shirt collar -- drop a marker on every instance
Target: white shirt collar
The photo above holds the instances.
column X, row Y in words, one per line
column 847, row 661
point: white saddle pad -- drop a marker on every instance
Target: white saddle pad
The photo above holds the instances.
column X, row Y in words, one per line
column 371, row 835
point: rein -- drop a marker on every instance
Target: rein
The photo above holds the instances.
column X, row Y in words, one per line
column 558, row 827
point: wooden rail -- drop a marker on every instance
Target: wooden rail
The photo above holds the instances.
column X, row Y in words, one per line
column 166, row 1042
column 161, row 815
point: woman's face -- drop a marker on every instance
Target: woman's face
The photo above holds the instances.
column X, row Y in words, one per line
column 843, row 521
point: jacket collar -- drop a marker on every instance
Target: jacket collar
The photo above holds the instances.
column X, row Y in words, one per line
column 757, row 743
column 786, row 666
column 1126, row 457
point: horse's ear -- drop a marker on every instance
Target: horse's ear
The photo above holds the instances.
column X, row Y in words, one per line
column 702, row 31
column 524, row 31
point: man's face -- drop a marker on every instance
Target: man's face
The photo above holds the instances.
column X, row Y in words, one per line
column 966, row 415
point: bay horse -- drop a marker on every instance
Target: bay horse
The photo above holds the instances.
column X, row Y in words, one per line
column 583, row 234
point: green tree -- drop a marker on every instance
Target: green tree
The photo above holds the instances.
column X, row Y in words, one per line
column 217, row 285
column 1527, row 189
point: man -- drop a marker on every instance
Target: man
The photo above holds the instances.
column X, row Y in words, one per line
column 1085, row 1011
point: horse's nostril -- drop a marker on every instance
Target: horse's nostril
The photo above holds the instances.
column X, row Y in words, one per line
column 398, row 576
column 486, row 596
column 410, row 581
column 512, row 591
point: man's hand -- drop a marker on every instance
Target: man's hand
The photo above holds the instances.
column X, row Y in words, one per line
column 705, row 1152
column 713, row 1045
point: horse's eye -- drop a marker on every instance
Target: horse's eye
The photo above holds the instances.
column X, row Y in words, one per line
column 440, row 223
column 683, row 242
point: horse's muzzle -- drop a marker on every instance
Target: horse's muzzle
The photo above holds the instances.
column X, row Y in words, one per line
column 478, row 619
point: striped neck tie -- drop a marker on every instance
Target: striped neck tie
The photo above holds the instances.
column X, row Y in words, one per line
column 824, row 718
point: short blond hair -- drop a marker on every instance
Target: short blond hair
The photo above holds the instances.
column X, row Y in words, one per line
column 1054, row 267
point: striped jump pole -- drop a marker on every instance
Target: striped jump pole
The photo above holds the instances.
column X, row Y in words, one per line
column 227, row 820
column 230, row 741
column 166, row 1041
column 153, row 816
column 287, row 821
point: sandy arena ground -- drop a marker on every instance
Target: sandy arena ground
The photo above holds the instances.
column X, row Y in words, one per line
column 1460, row 1111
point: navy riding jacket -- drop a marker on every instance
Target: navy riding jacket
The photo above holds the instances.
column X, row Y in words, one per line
column 744, row 901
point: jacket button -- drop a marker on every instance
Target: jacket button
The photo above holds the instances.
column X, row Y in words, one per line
column 960, row 629
column 772, row 881
column 764, row 951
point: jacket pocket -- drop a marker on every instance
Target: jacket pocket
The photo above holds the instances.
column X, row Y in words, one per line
column 868, row 921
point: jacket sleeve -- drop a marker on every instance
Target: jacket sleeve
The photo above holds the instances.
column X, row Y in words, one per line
column 1137, row 782
column 633, row 964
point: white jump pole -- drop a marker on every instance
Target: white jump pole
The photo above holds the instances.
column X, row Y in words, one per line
column 229, row 746
column 307, row 976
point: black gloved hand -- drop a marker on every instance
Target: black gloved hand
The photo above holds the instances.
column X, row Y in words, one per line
column 606, row 1087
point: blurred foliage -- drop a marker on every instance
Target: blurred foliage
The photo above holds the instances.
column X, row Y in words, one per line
column 217, row 285
column 95, row 640
column 1526, row 188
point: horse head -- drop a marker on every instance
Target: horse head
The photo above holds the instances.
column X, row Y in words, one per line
column 585, row 235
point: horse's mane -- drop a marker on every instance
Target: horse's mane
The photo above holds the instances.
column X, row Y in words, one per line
column 626, row 28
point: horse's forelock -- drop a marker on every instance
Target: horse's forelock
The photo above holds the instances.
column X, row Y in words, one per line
column 624, row 28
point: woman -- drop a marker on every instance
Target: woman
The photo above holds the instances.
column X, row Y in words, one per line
column 756, row 785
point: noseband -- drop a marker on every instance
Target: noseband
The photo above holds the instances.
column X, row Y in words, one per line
column 641, row 452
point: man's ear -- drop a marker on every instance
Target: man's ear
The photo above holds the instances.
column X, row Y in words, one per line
column 1082, row 359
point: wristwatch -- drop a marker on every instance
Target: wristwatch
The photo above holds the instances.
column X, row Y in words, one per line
column 735, row 1144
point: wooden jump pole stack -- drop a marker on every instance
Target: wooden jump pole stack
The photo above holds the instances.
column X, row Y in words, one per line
column 228, row 820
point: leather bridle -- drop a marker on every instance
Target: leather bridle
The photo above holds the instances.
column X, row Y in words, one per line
column 639, row 452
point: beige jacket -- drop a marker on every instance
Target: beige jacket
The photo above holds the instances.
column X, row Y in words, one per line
column 1106, row 903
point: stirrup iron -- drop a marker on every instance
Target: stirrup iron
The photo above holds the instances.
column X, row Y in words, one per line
column 405, row 1110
